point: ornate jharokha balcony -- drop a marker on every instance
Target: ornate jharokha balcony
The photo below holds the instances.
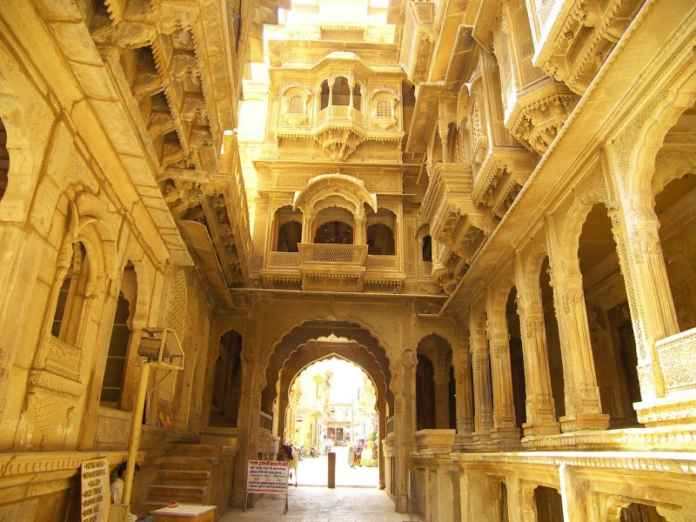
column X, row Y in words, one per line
column 332, row 267
column 345, row 255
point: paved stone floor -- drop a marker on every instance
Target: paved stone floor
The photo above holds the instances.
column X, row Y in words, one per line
column 314, row 472
column 318, row 504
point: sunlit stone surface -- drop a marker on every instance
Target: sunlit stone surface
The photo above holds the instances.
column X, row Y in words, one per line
column 487, row 206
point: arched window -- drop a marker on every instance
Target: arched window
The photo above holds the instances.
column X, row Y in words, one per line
column 357, row 97
column 288, row 232
column 71, row 297
column 380, row 240
column 117, row 357
column 384, row 109
column 325, row 94
column 227, row 382
column 118, row 353
column 380, row 232
column 340, row 92
column 289, row 236
column 334, row 232
column 295, row 105
column 4, row 160
column 427, row 249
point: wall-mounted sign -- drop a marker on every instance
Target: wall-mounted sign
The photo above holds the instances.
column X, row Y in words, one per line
column 95, row 491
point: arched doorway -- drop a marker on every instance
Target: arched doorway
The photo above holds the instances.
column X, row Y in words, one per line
column 332, row 408
column 314, row 340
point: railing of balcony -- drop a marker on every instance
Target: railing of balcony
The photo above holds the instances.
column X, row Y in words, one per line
column 340, row 114
column 333, row 253
column 284, row 259
column 382, row 262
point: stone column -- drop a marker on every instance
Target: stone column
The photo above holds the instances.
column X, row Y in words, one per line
column 541, row 412
column 480, row 365
column 479, row 500
column 636, row 230
column 360, row 233
column 574, row 495
column 445, row 491
column 441, row 376
column 501, row 371
column 107, row 304
column 405, row 425
column 583, row 405
column 464, row 399
column 247, row 421
column 306, row 227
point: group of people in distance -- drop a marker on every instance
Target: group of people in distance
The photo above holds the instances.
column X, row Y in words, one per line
column 355, row 452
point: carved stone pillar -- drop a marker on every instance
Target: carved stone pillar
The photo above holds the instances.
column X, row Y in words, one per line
column 360, row 232
column 464, row 398
column 583, row 405
column 541, row 412
column 445, row 491
column 247, row 421
column 405, row 420
column 88, row 431
column 501, row 373
column 441, row 378
column 574, row 495
column 480, row 364
column 636, row 231
column 307, row 236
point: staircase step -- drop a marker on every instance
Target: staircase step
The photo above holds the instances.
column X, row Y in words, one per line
column 167, row 493
column 183, row 476
column 194, row 450
column 186, row 463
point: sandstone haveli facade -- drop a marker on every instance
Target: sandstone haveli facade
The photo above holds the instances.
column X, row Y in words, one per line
column 489, row 206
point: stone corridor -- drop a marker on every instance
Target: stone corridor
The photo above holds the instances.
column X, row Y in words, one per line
column 315, row 504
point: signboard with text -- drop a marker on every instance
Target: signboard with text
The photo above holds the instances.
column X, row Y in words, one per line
column 267, row 476
column 95, row 491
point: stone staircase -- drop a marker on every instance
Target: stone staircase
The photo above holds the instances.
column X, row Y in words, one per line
column 184, row 475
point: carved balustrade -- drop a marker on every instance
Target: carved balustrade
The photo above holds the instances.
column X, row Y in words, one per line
column 677, row 355
column 572, row 38
column 435, row 440
column 333, row 253
column 332, row 266
column 384, row 273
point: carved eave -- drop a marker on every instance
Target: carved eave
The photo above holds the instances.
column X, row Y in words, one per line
column 463, row 59
column 216, row 53
column 333, row 63
column 500, row 171
column 207, row 262
column 580, row 37
column 425, row 115
column 457, row 223
column 330, row 184
column 539, row 113
column 449, row 18
column 485, row 18
column 417, row 40
column 288, row 49
column 111, row 103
